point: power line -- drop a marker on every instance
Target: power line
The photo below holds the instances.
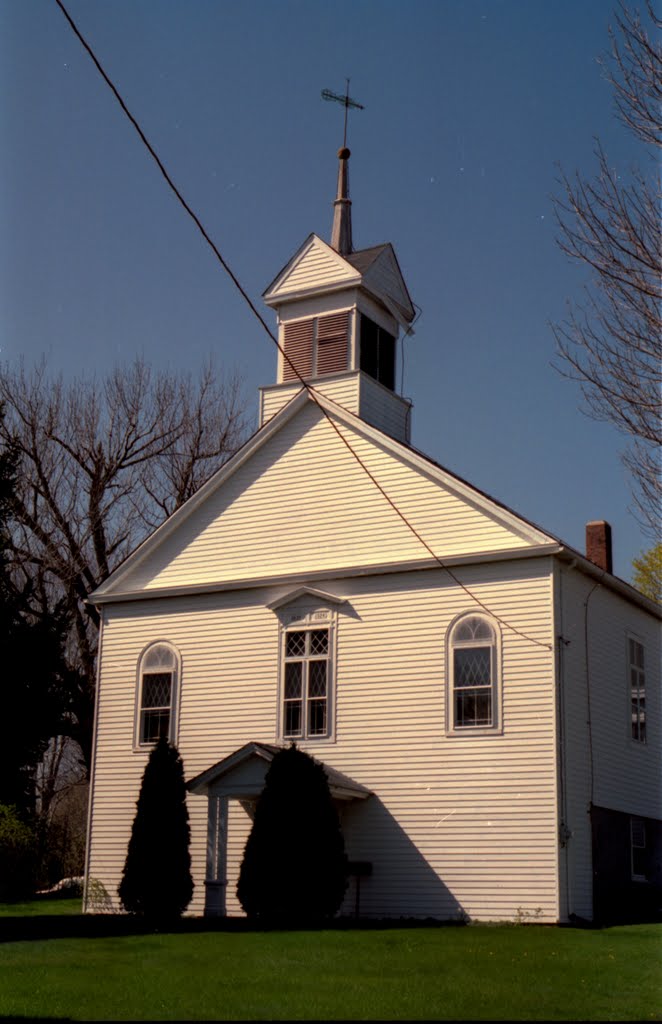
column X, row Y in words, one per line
column 311, row 390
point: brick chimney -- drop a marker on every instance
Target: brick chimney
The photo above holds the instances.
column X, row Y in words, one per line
column 598, row 544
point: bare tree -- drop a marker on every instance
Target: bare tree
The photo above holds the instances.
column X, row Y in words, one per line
column 612, row 344
column 101, row 464
column 633, row 69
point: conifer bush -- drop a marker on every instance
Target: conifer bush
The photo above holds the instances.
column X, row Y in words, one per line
column 294, row 869
column 157, row 882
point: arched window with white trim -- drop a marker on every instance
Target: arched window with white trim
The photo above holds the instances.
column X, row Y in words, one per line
column 473, row 697
column 158, row 684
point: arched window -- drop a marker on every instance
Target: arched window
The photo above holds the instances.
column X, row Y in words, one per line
column 473, row 679
column 158, row 681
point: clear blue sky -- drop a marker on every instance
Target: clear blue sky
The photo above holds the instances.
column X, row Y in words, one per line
column 469, row 107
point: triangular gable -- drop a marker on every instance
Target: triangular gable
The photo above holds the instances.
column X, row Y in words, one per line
column 260, row 518
column 383, row 278
column 241, row 775
column 299, row 592
column 314, row 266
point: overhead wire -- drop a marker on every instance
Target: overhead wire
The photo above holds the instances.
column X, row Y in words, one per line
column 305, row 384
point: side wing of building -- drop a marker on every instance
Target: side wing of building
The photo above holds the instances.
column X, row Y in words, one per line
column 610, row 657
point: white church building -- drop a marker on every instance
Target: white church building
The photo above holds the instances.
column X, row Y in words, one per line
column 486, row 701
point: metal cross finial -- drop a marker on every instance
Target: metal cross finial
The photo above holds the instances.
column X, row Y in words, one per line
column 346, row 101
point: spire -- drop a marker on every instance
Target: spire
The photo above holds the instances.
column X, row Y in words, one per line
column 341, row 233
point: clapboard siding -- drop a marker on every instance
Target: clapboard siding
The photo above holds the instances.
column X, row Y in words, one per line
column 318, row 266
column 457, row 825
column 355, row 391
column 384, row 409
column 627, row 776
column 384, row 277
column 342, row 388
column 341, row 519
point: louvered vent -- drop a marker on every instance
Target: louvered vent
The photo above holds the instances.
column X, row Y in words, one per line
column 332, row 343
column 298, row 345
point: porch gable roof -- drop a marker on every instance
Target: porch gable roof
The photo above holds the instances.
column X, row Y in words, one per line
column 230, row 778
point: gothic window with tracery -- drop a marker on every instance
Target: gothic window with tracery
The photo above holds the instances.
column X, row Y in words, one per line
column 158, row 680
column 473, row 687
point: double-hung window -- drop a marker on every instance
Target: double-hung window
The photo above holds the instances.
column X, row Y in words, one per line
column 637, row 682
column 638, row 849
column 158, row 682
column 306, row 682
column 473, row 682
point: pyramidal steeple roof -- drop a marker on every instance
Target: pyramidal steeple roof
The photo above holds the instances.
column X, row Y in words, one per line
column 341, row 233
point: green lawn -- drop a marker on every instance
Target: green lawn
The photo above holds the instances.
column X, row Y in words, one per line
column 61, row 907
column 478, row 972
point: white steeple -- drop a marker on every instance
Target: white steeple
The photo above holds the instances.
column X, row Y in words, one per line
column 340, row 314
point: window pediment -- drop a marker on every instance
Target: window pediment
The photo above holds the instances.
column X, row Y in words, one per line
column 308, row 596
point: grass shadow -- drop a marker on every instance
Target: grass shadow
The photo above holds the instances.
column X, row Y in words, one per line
column 90, row 926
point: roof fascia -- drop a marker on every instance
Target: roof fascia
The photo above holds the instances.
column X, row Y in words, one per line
column 309, row 293
column 342, row 786
column 575, row 559
column 200, row 782
column 566, row 554
column 273, row 285
column 341, row 573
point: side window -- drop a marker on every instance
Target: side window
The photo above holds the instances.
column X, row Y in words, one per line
column 158, row 683
column 637, row 685
column 306, row 681
column 638, row 849
column 377, row 352
column 473, row 685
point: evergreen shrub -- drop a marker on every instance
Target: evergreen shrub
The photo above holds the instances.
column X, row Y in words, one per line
column 294, row 869
column 157, row 883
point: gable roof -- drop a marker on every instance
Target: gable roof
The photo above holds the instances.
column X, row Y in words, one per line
column 128, row 580
column 383, row 278
column 131, row 580
column 340, row 785
column 317, row 268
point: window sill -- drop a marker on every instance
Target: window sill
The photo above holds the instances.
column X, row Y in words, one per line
column 478, row 730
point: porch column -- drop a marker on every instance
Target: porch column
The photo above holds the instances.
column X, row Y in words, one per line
column 216, row 872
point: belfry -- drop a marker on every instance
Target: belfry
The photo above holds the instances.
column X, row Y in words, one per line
column 341, row 313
